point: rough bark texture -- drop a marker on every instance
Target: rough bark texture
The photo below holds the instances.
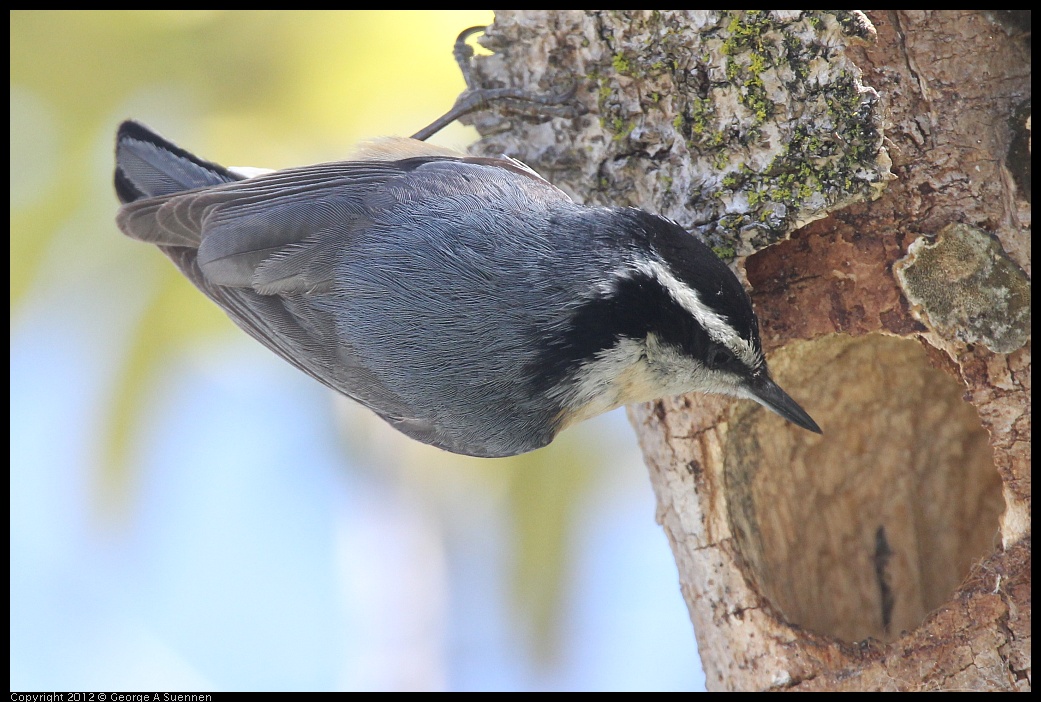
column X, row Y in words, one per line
column 894, row 551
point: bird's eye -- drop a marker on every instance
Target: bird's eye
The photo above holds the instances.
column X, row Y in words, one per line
column 720, row 357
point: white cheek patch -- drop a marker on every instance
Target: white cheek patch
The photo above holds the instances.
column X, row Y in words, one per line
column 635, row 371
column 597, row 381
column 631, row 371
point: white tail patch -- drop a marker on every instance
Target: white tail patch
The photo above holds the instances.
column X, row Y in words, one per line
column 249, row 171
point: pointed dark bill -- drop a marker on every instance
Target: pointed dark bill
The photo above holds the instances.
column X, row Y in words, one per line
column 770, row 395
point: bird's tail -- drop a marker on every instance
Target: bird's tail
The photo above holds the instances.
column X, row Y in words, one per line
column 148, row 165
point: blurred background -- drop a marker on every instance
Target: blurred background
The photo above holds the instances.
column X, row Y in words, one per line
column 189, row 512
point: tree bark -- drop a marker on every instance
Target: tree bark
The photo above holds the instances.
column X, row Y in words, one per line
column 893, row 553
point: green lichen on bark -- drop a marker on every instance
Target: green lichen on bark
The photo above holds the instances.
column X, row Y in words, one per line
column 740, row 125
column 789, row 133
column 964, row 287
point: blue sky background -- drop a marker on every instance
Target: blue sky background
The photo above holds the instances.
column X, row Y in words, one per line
column 263, row 534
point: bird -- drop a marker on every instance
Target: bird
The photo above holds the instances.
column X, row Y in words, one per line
column 466, row 300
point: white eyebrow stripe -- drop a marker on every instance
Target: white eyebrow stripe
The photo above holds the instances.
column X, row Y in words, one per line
column 714, row 324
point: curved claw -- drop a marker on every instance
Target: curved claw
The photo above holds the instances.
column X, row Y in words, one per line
column 478, row 98
column 463, row 52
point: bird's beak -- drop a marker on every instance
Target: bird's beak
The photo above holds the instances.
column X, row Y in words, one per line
column 770, row 395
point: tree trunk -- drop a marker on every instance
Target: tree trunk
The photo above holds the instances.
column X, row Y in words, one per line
column 893, row 553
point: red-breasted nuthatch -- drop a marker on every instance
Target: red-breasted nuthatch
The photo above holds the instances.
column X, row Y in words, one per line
column 466, row 300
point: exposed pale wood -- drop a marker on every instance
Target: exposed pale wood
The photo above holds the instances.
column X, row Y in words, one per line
column 893, row 553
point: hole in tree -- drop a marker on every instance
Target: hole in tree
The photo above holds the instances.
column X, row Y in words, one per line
column 865, row 531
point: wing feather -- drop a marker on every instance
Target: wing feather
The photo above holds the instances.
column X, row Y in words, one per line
column 266, row 249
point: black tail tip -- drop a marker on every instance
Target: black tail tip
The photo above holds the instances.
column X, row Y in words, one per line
column 147, row 165
column 130, row 130
column 133, row 130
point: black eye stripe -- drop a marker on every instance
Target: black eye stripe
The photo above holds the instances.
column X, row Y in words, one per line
column 636, row 307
